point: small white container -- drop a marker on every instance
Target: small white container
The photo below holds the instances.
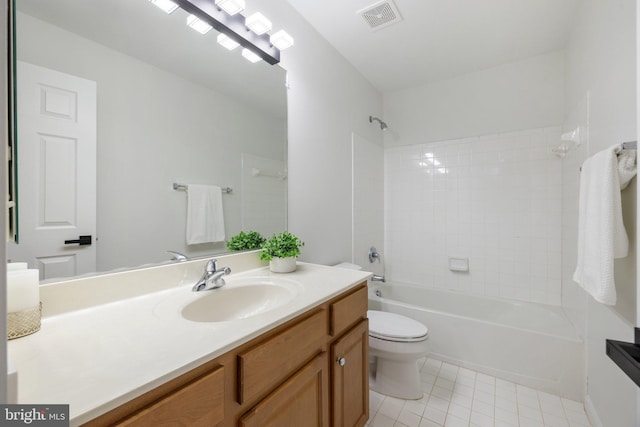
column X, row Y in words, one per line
column 283, row 265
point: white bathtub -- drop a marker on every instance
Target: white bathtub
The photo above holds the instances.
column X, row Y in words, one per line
column 531, row 344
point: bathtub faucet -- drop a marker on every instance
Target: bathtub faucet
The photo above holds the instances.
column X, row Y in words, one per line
column 378, row 278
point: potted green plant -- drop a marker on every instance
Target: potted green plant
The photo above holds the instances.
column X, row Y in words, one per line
column 244, row 241
column 281, row 250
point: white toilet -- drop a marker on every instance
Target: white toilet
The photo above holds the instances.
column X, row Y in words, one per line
column 395, row 344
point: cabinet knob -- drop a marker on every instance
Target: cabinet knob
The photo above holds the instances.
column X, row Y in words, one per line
column 341, row 361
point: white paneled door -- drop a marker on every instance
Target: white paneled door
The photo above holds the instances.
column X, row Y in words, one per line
column 56, row 115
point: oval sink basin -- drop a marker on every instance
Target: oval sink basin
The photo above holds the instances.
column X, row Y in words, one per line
column 237, row 302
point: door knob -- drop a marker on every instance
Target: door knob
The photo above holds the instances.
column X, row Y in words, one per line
column 341, row 361
column 82, row 241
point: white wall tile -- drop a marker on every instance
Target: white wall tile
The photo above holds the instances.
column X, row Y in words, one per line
column 495, row 199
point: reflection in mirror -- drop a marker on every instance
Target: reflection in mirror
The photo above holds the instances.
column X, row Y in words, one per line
column 118, row 101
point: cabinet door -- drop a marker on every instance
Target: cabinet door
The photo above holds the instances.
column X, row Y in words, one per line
column 200, row 403
column 348, row 310
column 268, row 363
column 302, row 400
column 350, row 377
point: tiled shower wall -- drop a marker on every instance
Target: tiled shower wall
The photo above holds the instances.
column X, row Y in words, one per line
column 494, row 200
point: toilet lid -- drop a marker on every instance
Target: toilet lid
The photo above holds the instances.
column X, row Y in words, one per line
column 394, row 327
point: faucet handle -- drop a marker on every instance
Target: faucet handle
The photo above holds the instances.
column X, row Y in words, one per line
column 212, row 266
column 373, row 255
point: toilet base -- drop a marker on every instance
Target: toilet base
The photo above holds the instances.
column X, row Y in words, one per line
column 396, row 379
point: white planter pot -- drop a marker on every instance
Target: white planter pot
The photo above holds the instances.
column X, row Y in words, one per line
column 283, row 265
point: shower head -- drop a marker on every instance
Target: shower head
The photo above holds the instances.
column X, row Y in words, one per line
column 383, row 125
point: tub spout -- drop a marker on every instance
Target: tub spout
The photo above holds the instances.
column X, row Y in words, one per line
column 378, row 278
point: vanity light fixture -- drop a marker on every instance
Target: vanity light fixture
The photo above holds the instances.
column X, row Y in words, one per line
column 198, row 24
column 250, row 56
column 258, row 23
column 281, row 39
column 231, row 6
column 227, row 42
column 250, row 33
column 166, row 5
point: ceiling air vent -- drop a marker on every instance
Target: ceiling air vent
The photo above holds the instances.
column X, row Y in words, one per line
column 380, row 14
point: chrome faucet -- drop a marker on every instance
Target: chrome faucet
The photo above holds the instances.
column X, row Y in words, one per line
column 378, row 278
column 212, row 277
column 177, row 256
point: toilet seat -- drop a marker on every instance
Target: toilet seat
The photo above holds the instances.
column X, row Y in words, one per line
column 394, row 327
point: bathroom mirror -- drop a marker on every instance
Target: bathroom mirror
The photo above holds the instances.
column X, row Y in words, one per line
column 172, row 106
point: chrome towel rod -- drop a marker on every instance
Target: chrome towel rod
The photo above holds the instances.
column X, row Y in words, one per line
column 183, row 187
column 631, row 145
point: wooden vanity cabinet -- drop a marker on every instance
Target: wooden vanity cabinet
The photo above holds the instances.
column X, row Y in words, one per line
column 269, row 362
column 300, row 401
column 349, row 355
column 310, row 371
column 200, row 403
column 350, row 377
column 304, row 398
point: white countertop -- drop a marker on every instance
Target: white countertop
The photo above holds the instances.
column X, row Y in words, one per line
column 98, row 357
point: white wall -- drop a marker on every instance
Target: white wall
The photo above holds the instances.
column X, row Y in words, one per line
column 155, row 128
column 327, row 101
column 494, row 200
column 522, row 95
column 601, row 69
column 486, row 107
column 368, row 204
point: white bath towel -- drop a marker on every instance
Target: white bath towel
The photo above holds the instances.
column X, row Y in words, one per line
column 205, row 219
column 601, row 233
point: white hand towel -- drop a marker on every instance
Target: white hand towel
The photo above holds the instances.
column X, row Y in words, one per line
column 601, row 233
column 205, row 219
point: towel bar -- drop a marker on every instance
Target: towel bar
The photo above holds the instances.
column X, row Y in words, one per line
column 183, row 187
column 563, row 149
column 630, row 145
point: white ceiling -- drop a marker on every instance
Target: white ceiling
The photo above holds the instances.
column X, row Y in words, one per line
column 439, row 39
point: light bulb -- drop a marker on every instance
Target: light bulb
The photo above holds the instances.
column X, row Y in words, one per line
column 198, row 24
column 227, row 41
column 258, row 23
column 250, row 56
column 166, row 5
column 281, row 40
column 231, row 6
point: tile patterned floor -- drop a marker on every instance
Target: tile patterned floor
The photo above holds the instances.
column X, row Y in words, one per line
column 459, row 397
